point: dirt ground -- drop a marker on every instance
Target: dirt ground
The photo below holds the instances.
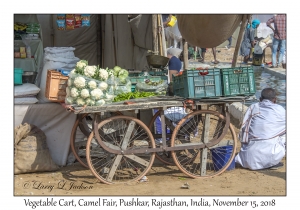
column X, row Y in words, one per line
column 225, row 56
column 162, row 179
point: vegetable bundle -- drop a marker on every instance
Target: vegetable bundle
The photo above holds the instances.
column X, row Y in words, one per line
column 133, row 95
column 94, row 86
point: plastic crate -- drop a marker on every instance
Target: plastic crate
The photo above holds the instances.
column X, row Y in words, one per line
column 56, row 86
column 238, row 81
column 134, row 74
column 18, row 73
column 198, row 84
column 158, row 73
column 151, row 73
column 135, row 80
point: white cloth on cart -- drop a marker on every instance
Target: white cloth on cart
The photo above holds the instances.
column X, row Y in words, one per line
column 262, row 136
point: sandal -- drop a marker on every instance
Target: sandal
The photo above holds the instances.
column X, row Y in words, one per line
column 216, row 62
column 201, row 60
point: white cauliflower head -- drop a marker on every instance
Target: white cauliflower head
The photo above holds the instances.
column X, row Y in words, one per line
column 81, row 64
column 80, row 102
column 79, row 82
column 84, row 93
column 89, row 102
column 100, row 102
column 92, row 84
column 74, row 92
column 103, row 85
column 110, row 97
column 89, row 71
column 103, row 74
column 97, row 93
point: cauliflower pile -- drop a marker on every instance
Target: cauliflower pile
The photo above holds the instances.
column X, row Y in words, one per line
column 94, row 86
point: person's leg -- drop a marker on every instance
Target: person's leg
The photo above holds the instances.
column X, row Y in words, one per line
column 203, row 55
column 214, row 50
column 229, row 42
column 275, row 44
column 203, row 51
column 172, row 72
column 246, row 58
column 281, row 51
column 284, row 60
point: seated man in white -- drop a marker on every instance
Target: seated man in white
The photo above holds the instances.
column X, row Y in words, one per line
column 263, row 134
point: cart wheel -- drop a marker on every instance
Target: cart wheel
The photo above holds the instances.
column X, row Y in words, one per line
column 120, row 133
column 165, row 157
column 84, row 124
column 204, row 127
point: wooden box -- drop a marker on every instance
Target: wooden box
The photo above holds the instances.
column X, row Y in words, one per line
column 56, row 85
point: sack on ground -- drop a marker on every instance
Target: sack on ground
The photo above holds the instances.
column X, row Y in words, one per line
column 31, row 151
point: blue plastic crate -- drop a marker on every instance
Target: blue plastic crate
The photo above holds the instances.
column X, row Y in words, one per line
column 238, row 81
column 198, row 84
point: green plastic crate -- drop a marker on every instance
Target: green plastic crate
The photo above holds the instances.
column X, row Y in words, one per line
column 158, row 73
column 238, row 81
column 18, row 76
column 198, row 84
column 151, row 73
column 133, row 74
column 135, row 80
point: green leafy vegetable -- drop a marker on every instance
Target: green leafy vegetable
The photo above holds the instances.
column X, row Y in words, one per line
column 133, row 95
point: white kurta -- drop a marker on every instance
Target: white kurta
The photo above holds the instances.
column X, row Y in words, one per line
column 261, row 154
column 262, row 136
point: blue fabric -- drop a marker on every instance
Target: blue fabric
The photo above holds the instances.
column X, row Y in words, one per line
column 275, row 44
column 254, row 24
column 174, row 63
column 246, row 43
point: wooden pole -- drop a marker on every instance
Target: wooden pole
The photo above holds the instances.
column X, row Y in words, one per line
column 159, row 33
column 154, row 34
column 185, row 55
column 239, row 40
column 164, row 47
column 103, row 19
column 114, row 40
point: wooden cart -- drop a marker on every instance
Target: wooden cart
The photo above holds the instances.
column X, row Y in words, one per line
column 122, row 148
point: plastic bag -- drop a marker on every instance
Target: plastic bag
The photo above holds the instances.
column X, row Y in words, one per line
column 26, row 40
column 85, row 20
column 83, row 90
column 159, row 87
column 122, row 86
column 70, row 22
column 61, row 22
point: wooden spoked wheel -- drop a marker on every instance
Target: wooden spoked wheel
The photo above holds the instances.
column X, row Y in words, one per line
column 81, row 130
column 174, row 115
column 204, row 127
column 120, row 133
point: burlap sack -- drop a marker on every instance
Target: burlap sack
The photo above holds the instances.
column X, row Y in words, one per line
column 31, row 151
column 207, row 30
